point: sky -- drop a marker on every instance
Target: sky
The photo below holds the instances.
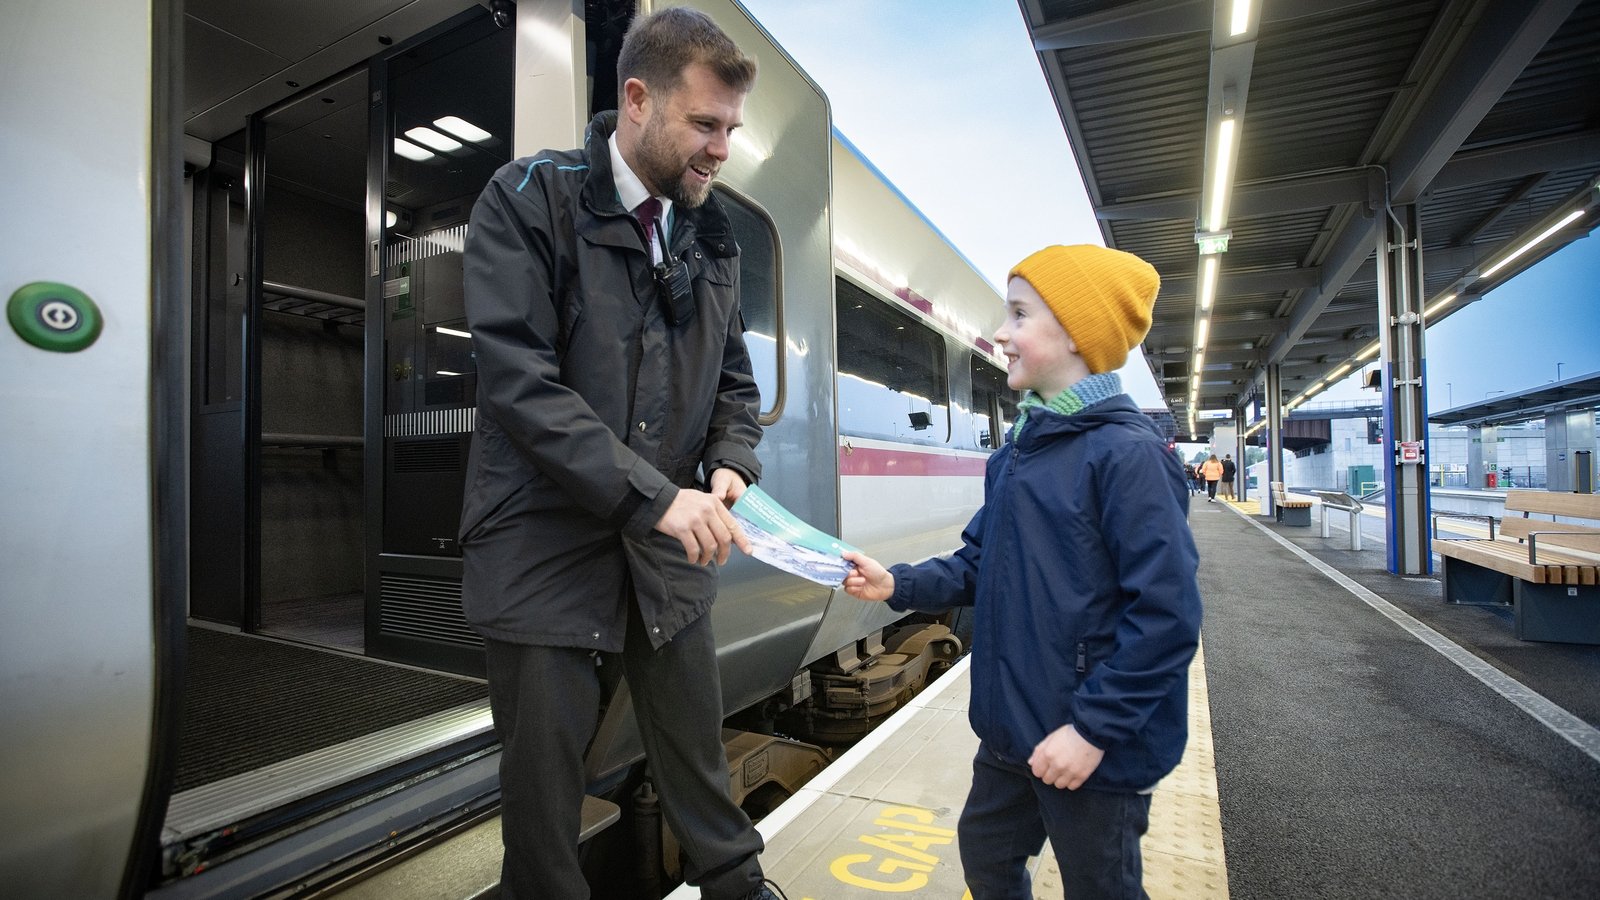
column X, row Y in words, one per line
column 947, row 99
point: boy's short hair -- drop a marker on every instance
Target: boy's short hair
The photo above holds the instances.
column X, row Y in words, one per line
column 1102, row 297
column 658, row 47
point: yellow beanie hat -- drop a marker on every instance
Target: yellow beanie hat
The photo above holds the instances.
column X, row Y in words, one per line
column 1102, row 297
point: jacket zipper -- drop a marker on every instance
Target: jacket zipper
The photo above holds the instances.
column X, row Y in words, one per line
column 1083, row 657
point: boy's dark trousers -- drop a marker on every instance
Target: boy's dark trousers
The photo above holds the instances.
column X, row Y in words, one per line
column 1094, row 834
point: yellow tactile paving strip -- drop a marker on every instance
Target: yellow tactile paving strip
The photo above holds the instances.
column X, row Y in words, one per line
column 1183, row 855
column 883, row 822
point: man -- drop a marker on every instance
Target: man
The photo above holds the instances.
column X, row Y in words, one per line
column 602, row 295
column 1228, row 471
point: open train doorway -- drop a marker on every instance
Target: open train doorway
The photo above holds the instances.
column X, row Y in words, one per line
column 325, row 281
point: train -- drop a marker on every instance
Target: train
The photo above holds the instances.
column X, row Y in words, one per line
column 239, row 393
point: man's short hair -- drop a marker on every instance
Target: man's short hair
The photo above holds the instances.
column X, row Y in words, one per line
column 658, row 47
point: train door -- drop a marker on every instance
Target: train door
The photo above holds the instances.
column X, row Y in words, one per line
column 86, row 479
column 443, row 122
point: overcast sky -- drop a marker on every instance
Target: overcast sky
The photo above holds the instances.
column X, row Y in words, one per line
column 947, row 99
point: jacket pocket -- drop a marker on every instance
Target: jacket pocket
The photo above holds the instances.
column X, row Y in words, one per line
column 568, row 316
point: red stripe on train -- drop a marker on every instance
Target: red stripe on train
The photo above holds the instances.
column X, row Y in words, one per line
column 875, row 461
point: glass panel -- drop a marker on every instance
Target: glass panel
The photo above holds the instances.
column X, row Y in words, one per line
column 994, row 405
column 452, row 112
column 758, row 292
column 892, row 381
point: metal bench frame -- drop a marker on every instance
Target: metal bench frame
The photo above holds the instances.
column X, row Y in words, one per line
column 1339, row 501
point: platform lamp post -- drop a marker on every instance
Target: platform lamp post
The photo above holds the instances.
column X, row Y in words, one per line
column 1558, row 371
column 1449, row 396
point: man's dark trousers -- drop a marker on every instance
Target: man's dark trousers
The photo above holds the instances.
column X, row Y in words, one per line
column 546, row 701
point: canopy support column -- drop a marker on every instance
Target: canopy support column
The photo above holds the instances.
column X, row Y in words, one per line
column 1405, row 414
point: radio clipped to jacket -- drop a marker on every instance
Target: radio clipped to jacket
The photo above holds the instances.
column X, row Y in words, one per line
column 677, row 295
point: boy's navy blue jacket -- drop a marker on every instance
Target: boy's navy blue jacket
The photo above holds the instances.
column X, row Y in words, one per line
column 1081, row 568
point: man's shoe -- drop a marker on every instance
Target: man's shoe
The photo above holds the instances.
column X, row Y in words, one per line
column 766, row 890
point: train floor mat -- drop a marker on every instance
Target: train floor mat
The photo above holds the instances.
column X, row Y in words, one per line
column 249, row 702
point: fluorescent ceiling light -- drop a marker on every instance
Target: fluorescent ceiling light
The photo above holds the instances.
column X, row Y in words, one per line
column 1208, row 283
column 1240, row 22
column 1441, row 304
column 1371, row 350
column 1567, row 220
column 447, row 372
column 430, row 138
column 1339, row 371
column 451, row 331
column 463, row 129
column 1200, row 333
column 411, row 151
column 1219, row 173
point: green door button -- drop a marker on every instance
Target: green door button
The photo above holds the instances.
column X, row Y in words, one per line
column 54, row 316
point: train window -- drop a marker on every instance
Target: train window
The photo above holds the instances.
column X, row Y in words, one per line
column 994, row 405
column 758, row 296
column 892, row 381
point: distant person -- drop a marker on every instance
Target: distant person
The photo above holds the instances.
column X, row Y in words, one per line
column 1229, row 470
column 1192, row 478
column 603, row 297
column 1081, row 570
column 1211, row 471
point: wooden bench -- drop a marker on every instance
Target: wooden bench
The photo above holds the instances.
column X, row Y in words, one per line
column 1549, row 571
column 1291, row 509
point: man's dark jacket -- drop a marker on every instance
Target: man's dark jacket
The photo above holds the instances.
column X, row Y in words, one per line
column 1082, row 572
column 593, row 412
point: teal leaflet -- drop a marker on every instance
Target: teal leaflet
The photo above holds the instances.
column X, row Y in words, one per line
column 783, row 541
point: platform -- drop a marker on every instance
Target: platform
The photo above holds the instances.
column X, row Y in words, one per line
column 883, row 818
column 1352, row 736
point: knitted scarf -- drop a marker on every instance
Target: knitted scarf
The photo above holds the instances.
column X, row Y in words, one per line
column 1074, row 399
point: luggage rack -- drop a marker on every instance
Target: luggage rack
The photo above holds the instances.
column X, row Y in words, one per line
column 313, row 304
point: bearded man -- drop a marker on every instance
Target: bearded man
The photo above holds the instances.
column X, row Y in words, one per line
column 602, row 296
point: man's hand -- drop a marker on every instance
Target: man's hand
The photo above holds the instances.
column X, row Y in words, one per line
column 869, row 580
column 1064, row 759
column 727, row 486
column 703, row 524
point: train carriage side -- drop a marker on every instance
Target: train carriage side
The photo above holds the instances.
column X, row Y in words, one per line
column 309, row 491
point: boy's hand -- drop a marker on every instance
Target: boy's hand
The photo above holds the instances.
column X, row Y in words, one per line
column 1064, row 759
column 869, row 580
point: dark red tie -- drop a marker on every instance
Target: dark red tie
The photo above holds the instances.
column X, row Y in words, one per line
column 647, row 213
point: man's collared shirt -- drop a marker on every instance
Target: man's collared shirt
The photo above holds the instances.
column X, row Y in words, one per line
column 632, row 192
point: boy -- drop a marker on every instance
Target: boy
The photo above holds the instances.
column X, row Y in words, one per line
column 1082, row 569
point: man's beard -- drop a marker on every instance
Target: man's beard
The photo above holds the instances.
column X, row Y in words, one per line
column 658, row 164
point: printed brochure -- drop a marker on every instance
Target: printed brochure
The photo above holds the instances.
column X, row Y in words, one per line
column 782, row 541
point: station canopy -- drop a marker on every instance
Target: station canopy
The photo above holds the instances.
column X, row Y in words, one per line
column 1558, row 397
column 1485, row 114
